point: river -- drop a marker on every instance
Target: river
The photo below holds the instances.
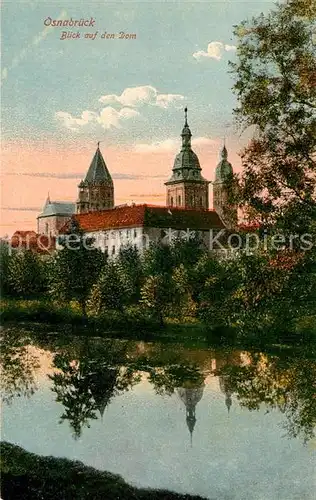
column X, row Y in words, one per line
column 226, row 424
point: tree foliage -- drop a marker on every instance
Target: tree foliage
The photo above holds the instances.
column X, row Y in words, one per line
column 26, row 274
column 112, row 291
column 276, row 89
column 75, row 268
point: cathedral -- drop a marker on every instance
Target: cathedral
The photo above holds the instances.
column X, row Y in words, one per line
column 186, row 209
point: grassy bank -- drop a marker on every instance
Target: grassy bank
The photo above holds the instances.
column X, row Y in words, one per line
column 135, row 324
column 132, row 324
column 28, row 476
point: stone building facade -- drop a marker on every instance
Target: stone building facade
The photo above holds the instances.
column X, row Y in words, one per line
column 139, row 225
column 223, row 172
column 96, row 191
column 54, row 216
column 187, row 205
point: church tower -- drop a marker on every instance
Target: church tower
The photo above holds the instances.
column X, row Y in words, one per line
column 223, row 172
column 96, row 192
column 187, row 188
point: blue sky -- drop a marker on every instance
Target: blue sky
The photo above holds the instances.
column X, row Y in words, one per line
column 59, row 97
column 48, row 75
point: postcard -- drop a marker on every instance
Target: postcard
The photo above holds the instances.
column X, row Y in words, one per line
column 157, row 249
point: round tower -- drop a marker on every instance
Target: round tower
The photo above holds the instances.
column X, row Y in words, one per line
column 186, row 187
column 223, row 172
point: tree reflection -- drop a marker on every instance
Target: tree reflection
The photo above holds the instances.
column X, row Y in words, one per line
column 166, row 379
column 86, row 385
column 288, row 385
column 89, row 373
column 17, row 366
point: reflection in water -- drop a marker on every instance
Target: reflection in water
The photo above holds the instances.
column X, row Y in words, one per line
column 224, row 384
column 190, row 397
column 87, row 384
column 89, row 373
column 288, row 385
column 18, row 364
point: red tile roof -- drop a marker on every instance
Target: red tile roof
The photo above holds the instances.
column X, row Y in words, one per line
column 30, row 240
column 148, row 216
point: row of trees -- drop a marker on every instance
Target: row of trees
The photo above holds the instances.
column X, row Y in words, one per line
column 262, row 294
column 267, row 291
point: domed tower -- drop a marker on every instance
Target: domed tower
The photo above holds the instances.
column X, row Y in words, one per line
column 190, row 396
column 223, row 172
column 96, row 192
column 187, row 188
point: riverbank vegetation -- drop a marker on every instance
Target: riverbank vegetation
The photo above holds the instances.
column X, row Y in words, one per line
column 259, row 298
column 30, row 476
column 264, row 292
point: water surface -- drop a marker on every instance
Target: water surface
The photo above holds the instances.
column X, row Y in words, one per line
column 224, row 424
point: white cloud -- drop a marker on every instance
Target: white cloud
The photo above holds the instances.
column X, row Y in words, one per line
column 214, row 50
column 107, row 118
column 166, row 100
column 130, row 99
column 171, row 145
column 145, row 94
column 73, row 123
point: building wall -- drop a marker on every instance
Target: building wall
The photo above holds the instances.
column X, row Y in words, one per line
column 93, row 198
column 112, row 240
column 175, row 195
column 196, row 196
column 227, row 213
column 51, row 225
column 188, row 195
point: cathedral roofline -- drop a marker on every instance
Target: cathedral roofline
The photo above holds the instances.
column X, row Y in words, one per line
column 148, row 216
column 57, row 208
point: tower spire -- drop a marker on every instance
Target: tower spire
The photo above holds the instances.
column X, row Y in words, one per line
column 224, row 153
column 186, row 132
column 47, row 199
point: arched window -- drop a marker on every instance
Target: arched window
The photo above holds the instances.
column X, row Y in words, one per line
column 171, row 201
column 179, row 200
column 46, row 228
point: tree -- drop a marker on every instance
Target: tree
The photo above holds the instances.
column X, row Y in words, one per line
column 216, row 282
column 4, row 268
column 183, row 304
column 76, row 267
column 111, row 291
column 156, row 295
column 131, row 269
column 26, row 274
column 276, row 91
column 158, row 260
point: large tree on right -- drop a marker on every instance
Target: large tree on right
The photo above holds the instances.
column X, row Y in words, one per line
column 275, row 84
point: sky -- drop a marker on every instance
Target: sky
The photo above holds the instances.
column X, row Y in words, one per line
column 61, row 96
